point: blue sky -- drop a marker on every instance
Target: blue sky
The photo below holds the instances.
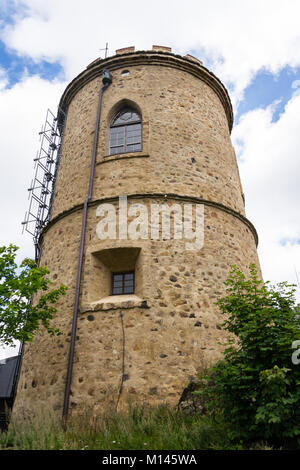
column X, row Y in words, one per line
column 44, row 45
column 267, row 88
column 17, row 66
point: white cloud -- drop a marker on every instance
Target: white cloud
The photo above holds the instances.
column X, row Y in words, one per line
column 270, row 167
column 296, row 84
column 238, row 37
column 22, row 112
column 9, row 351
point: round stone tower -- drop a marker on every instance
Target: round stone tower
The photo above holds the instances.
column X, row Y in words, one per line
column 147, row 217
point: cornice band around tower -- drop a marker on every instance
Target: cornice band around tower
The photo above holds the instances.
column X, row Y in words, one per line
column 159, row 58
column 176, row 197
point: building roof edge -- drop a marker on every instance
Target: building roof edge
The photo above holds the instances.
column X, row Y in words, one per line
column 153, row 57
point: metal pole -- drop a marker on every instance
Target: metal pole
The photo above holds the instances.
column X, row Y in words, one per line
column 106, row 79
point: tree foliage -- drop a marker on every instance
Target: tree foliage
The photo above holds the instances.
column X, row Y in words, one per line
column 19, row 317
column 257, row 385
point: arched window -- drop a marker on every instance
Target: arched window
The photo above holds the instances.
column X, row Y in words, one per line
column 125, row 132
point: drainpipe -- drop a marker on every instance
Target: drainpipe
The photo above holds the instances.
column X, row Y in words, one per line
column 106, row 80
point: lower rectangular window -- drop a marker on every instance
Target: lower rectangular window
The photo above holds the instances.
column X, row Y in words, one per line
column 122, row 283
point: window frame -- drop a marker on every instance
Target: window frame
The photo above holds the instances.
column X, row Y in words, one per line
column 125, row 127
column 123, row 282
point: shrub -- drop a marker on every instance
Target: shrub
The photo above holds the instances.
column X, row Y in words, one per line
column 19, row 317
column 257, row 386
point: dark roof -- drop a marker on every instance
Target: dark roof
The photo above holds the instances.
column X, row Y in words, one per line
column 7, row 374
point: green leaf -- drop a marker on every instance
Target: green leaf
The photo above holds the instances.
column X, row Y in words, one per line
column 23, row 307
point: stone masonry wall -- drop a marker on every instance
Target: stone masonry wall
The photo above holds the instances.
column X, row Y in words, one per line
column 143, row 347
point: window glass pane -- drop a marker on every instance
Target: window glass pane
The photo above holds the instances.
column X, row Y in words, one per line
column 135, row 117
column 118, row 284
column 123, row 283
column 128, row 290
column 128, row 276
column 116, row 130
column 115, row 150
column 117, row 144
column 133, row 133
column 116, row 140
column 117, row 136
column 117, row 290
column 126, row 136
column 126, row 116
column 133, row 139
column 134, row 128
column 134, row 147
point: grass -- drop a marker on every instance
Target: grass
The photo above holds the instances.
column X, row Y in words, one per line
column 145, row 428
column 159, row 428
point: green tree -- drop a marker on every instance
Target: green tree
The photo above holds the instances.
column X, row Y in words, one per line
column 19, row 318
column 257, row 386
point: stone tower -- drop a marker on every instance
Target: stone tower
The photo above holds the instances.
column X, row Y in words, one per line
column 146, row 132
